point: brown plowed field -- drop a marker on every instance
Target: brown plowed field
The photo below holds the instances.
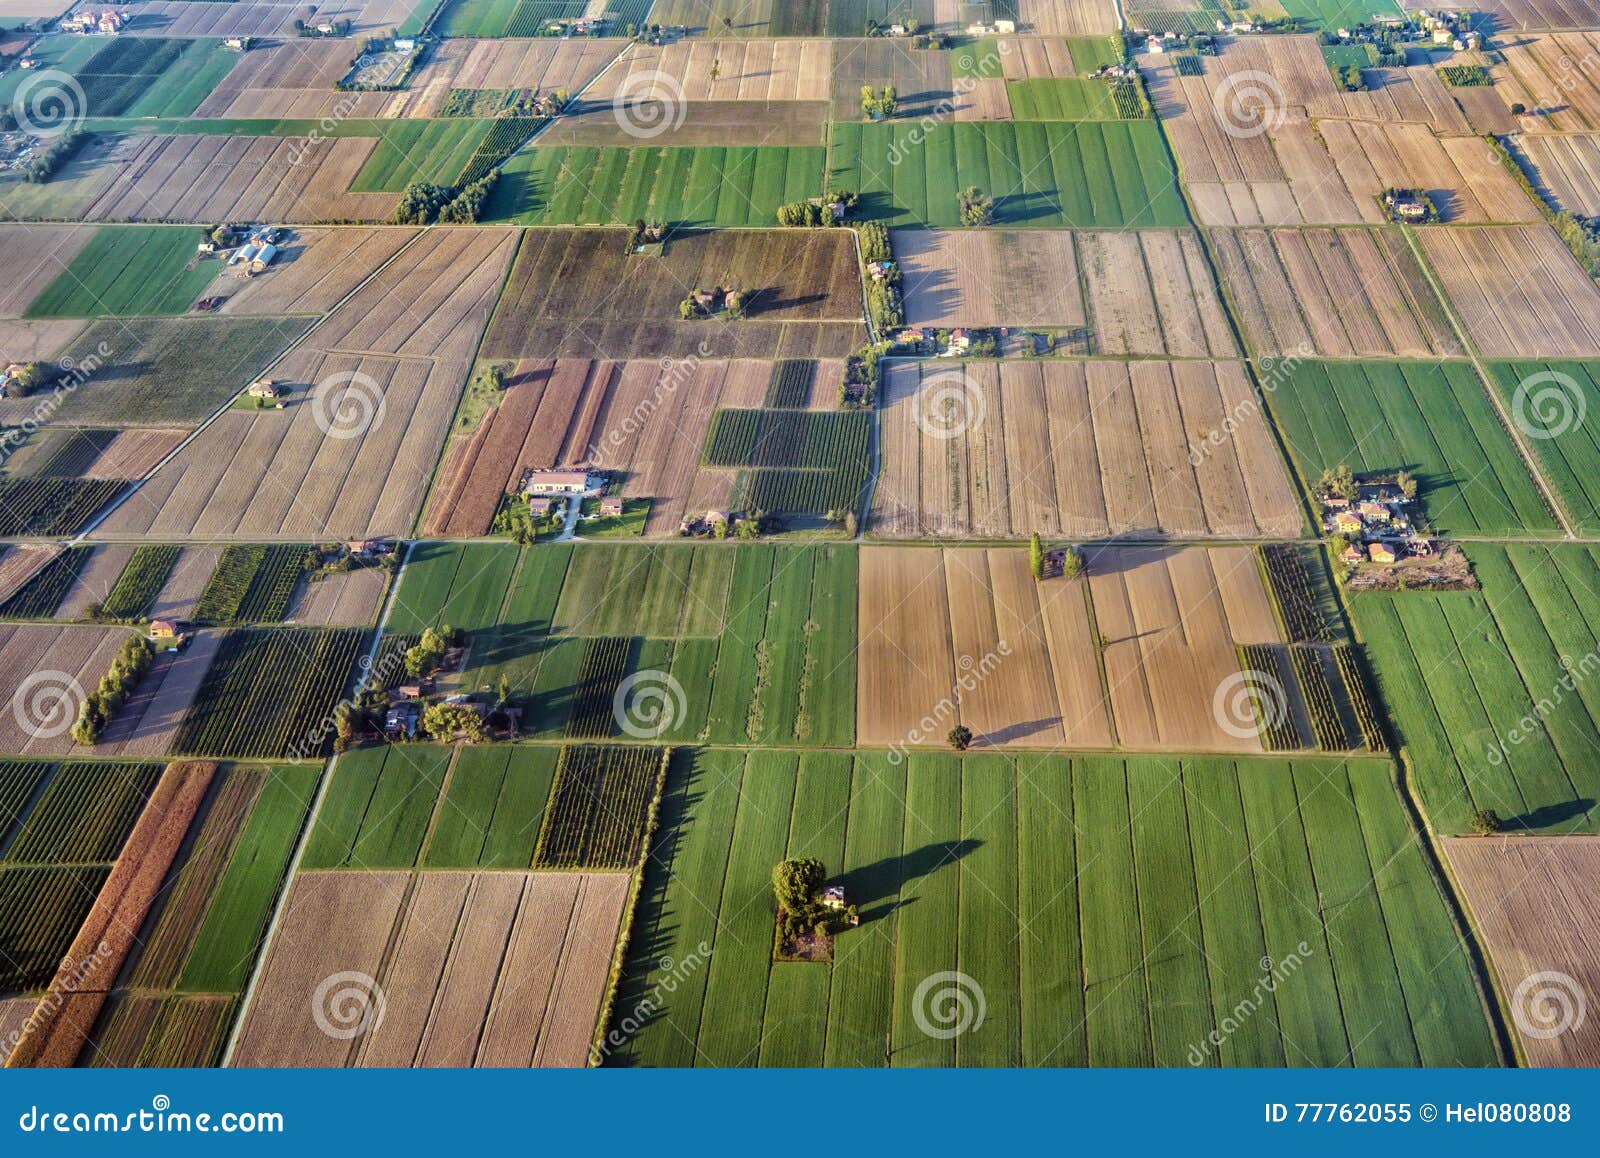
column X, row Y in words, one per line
column 542, row 63
column 64, row 664
column 489, row 969
column 573, row 293
column 1336, row 293
column 1067, row 17
column 348, row 598
column 225, row 178
column 1552, row 76
column 1516, row 291
column 185, row 583
column 1534, row 902
column 1081, row 450
column 36, row 341
column 117, row 454
column 292, row 78
column 969, row 636
column 31, row 257
column 95, row 579
column 314, row 270
column 1568, row 166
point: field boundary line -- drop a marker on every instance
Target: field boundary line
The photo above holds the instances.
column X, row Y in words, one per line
column 1486, row 384
column 116, row 504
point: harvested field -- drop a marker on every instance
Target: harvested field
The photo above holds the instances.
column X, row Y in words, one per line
column 31, row 257
column 571, row 412
column 259, row 17
column 1518, row 292
column 36, row 341
column 350, row 597
column 93, row 170
column 228, row 178
column 1167, row 624
column 519, row 983
column 1548, row 74
column 90, row 453
column 926, row 84
column 164, row 372
column 147, row 723
column 314, row 270
column 185, row 583
column 748, row 70
column 1081, row 451
column 572, row 293
column 292, row 78
column 1341, row 293
column 542, row 64
column 1067, row 17
column 702, row 125
column 1534, row 903
column 1567, row 167
column 44, row 674
column 96, row 577
column 1140, row 293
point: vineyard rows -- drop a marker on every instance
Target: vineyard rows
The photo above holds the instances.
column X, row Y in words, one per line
column 51, row 506
column 18, row 782
column 505, row 136
column 600, row 807
column 41, row 595
column 41, row 910
column 1355, row 687
column 605, row 662
column 252, row 584
column 1298, row 596
column 1273, row 715
column 790, row 385
column 1326, row 724
column 140, row 582
column 84, row 815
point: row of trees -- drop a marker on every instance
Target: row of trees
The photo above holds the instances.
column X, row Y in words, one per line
column 100, row 706
column 423, row 202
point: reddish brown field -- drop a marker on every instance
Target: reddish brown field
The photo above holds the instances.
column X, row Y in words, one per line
column 1533, row 900
column 1078, row 449
column 475, row 969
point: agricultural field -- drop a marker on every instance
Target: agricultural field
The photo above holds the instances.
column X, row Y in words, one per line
column 40, row 595
column 1566, row 168
column 957, row 865
column 1081, row 450
column 31, row 258
column 294, row 78
column 753, row 643
column 416, row 150
column 601, row 805
column 1537, row 72
column 1373, row 416
column 1517, row 292
column 1462, row 672
column 522, row 981
column 1085, row 175
column 88, row 453
column 136, row 77
column 315, row 270
column 252, row 584
column 45, row 672
column 124, row 271
column 1547, row 400
column 269, row 693
column 1532, row 901
column 687, row 187
column 574, row 294
column 1335, row 293
column 747, row 70
column 167, row 372
column 561, row 412
column 1113, row 293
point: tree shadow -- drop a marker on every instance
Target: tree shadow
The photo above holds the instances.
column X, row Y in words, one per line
column 873, row 887
column 1550, row 815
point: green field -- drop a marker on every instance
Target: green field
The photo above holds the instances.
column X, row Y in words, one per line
column 129, row 270
column 378, row 807
column 1063, row 99
column 182, row 88
column 1104, row 913
column 558, row 185
column 1091, row 174
column 420, row 150
column 1331, row 14
column 1490, row 690
column 1432, row 419
column 759, row 639
column 1557, row 412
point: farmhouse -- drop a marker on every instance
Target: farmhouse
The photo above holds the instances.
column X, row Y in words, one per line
column 163, row 628
column 400, row 721
column 564, row 482
column 611, row 506
column 263, row 388
column 1381, row 552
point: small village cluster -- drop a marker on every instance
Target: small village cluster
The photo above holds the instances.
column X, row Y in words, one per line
column 1375, row 520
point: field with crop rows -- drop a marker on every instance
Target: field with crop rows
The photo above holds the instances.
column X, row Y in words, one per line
column 252, row 584
column 129, row 270
column 270, row 693
column 40, row 911
column 51, row 506
column 1548, row 400
column 1089, row 174
column 39, row 597
column 83, row 815
column 141, row 583
column 1461, row 673
column 794, row 460
column 1195, row 882
column 600, row 807
column 437, row 151
column 683, row 186
column 1432, row 419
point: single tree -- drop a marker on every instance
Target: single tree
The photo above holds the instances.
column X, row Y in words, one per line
column 715, row 70
column 1486, row 822
column 960, row 737
column 1407, row 483
column 796, row 883
column 1518, row 108
column 1071, row 563
column 977, row 207
column 1036, row 555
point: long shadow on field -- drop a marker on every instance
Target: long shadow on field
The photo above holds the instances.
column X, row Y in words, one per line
column 1550, row 815
column 883, row 879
